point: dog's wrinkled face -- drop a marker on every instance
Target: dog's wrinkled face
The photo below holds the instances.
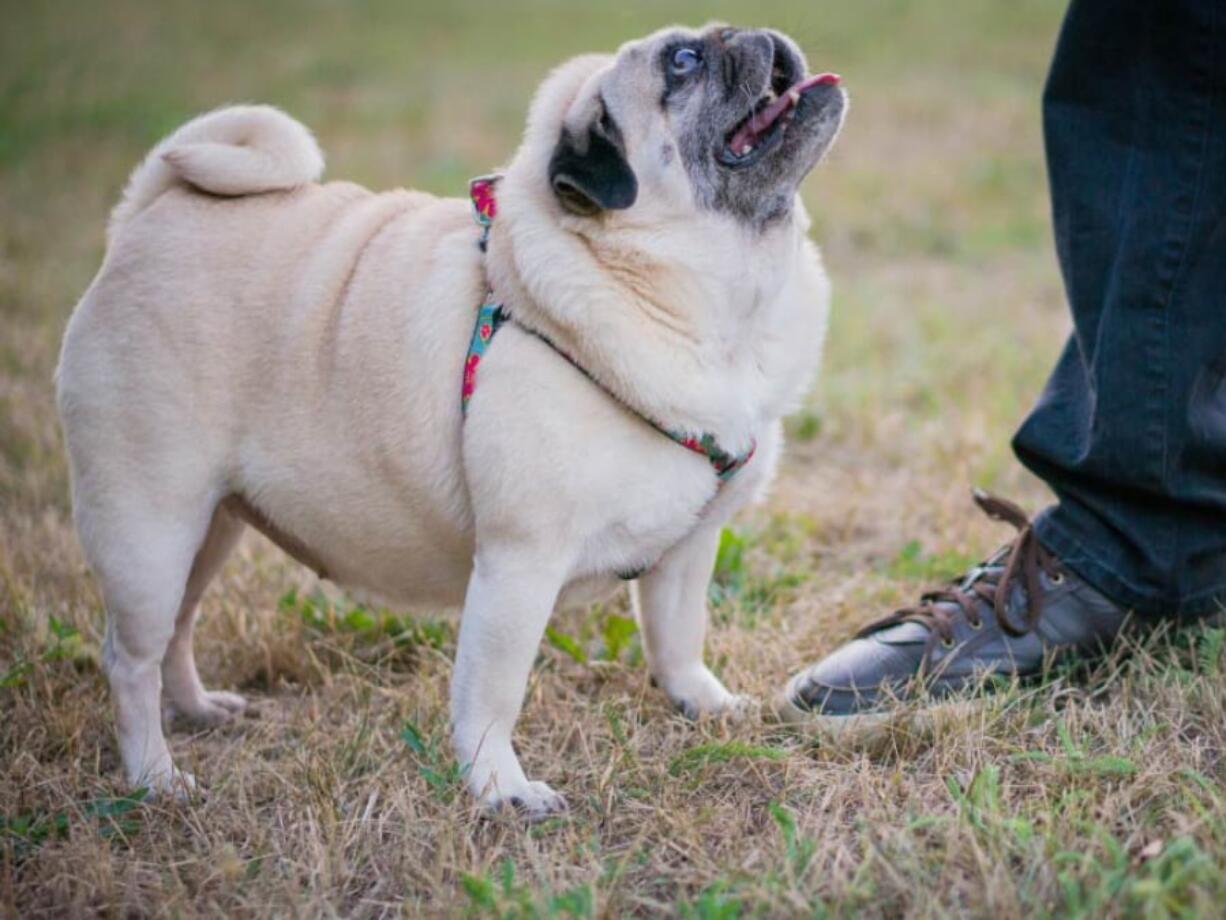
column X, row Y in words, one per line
column 722, row 119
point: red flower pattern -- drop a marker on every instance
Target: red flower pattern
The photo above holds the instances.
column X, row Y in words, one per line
column 470, row 376
column 482, row 191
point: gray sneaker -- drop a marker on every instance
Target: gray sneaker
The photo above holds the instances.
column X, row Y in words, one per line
column 1008, row 616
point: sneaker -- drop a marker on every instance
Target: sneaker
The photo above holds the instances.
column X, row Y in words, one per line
column 1008, row 616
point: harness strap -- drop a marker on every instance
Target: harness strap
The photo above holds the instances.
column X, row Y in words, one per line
column 492, row 315
column 489, row 318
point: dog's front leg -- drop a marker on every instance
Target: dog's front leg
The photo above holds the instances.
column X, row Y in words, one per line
column 509, row 600
column 671, row 604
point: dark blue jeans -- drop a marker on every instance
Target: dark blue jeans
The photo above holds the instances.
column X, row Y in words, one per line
column 1130, row 432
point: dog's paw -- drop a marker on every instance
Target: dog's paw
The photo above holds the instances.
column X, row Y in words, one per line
column 535, row 801
column 212, row 707
column 736, row 707
column 173, row 785
column 699, row 693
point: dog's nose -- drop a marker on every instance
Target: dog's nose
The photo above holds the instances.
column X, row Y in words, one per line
column 746, row 52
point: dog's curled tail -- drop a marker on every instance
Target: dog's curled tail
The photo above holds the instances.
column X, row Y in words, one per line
column 238, row 150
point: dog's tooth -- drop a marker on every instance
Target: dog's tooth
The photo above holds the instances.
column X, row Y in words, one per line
column 794, row 96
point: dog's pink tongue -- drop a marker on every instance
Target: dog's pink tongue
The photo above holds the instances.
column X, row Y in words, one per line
column 746, row 138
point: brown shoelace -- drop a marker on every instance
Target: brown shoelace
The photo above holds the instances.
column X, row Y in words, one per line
column 1025, row 556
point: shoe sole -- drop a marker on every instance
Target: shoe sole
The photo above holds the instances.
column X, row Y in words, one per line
column 868, row 728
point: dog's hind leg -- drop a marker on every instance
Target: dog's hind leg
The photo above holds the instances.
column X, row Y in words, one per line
column 142, row 552
column 180, row 679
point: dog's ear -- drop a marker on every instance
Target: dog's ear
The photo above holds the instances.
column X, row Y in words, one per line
column 589, row 173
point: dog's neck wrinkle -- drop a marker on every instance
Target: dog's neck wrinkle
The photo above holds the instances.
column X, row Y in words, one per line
column 732, row 312
column 718, row 335
column 631, row 270
column 587, row 345
column 701, row 373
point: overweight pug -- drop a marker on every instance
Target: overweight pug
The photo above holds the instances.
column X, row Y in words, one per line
column 258, row 349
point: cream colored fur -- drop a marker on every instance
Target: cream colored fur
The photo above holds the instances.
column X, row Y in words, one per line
column 241, row 150
column 260, row 348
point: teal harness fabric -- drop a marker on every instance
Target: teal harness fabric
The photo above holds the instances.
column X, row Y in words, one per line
column 492, row 315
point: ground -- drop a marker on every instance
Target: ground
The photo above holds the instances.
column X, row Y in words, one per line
column 1098, row 796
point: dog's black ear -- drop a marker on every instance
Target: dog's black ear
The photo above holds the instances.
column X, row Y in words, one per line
column 590, row 174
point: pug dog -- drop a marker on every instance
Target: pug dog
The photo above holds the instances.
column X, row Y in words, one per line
column 259, row 349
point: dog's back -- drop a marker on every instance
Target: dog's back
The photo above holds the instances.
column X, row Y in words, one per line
column 172, row 241
column 157, row 248
column 244, row 324
column 242, row 310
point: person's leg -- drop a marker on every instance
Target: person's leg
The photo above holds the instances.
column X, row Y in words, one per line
column 1131, row 429
column 1130, row 432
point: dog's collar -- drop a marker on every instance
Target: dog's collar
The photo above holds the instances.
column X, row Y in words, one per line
column 493, row 314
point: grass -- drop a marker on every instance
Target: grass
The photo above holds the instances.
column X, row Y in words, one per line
column 1085, row 799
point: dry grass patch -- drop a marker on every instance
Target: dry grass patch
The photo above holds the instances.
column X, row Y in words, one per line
column 338, row 796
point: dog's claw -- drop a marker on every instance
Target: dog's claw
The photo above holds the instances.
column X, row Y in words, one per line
column 173, row 786
column 213, row 707
column 536, row 802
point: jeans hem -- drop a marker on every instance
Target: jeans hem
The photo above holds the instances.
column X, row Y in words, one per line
column 1074, row 553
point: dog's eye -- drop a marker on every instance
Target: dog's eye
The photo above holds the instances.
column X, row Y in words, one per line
column 685, row 62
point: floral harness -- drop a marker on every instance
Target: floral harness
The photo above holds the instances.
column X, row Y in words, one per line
column 492, row 315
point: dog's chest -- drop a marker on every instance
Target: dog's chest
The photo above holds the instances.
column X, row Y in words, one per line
column 553, row 457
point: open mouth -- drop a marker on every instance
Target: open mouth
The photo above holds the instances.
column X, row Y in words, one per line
column 763, row 128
